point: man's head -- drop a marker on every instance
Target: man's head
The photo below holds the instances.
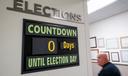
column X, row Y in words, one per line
column 102, row 59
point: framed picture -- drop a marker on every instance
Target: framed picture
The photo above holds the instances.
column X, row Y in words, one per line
column 124, row 42
column 124, row 55
column 93, row 43
column 112, row 43
column 115, row 57
column 107, row 53
column 100, row 43
column 94, row 54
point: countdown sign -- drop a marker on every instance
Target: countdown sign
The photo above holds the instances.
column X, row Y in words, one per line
column 48, row 46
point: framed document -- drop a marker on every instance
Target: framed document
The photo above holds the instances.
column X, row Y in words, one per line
column 107, row 53
column 124, row 55
column 115, row 56
column 112, row 43
column 124, row 42
column 100, row 43
column 94, row 54
column 93, row 43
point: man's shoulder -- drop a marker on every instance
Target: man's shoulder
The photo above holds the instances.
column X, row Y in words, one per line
column 109, row 66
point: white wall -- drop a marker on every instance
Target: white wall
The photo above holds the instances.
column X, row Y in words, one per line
column 113, row 27
column 11, row 38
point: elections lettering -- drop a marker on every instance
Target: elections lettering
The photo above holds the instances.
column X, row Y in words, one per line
column 45, row 11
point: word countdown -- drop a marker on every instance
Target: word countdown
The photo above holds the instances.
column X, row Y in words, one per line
column 48, row 46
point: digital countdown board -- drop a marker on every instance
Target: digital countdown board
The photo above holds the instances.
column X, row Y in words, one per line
column 48, row 46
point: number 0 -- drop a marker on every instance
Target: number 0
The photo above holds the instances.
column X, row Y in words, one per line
column 51, row 46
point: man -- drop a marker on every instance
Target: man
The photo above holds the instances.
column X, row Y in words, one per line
column 108, row 69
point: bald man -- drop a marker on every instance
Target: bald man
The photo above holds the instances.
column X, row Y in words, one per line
column 108, row 69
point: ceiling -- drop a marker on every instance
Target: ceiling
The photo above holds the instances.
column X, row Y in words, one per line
column 118, row 7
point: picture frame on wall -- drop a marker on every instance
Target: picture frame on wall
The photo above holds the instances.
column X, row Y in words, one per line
column 93, row 42
column 112, row 43
column 115, row 57
column 107, row 53
column 124, row 56
column 94, row 54
column 124, row 42
column 100, row 43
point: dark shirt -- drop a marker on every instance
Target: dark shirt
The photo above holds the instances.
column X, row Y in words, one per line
column 109, row 69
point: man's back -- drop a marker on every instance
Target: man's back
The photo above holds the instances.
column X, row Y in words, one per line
column 109, row 69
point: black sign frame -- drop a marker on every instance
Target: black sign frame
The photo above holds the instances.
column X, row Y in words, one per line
column 40, row 61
